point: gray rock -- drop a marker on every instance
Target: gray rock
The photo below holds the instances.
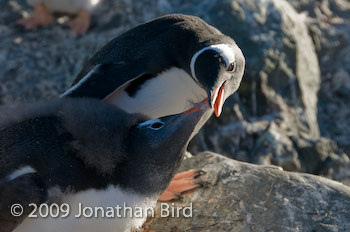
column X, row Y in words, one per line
column 329, row 24
column 244, row 197
column 337, row 167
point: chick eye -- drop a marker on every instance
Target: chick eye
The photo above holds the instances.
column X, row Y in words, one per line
column 156, row 125
column 231, row 67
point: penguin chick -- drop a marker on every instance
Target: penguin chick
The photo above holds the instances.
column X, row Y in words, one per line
column 83, row 152
column 43, row 9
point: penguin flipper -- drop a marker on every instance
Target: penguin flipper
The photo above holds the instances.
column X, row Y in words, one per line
column 20, row 192
column 102, row 80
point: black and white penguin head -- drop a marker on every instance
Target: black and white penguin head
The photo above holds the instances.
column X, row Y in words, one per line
column 219, row 70
column 167, row 136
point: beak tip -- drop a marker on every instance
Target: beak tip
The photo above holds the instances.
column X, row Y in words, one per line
column 217, row 113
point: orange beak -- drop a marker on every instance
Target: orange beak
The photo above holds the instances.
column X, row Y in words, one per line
column 218, row 99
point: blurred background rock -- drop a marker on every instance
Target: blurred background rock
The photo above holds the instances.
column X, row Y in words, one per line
column 292, row 109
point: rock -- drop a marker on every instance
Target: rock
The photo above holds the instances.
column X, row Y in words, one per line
column 329, row 24
column 337, row 168
column 315, row 153
column 260, row 142
column 239, row 196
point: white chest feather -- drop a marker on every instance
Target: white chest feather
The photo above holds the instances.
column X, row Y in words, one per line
column 101, row 202
column 171, row 92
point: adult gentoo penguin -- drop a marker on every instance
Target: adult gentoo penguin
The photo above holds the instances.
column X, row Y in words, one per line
column 86, row 153
column 163, row 67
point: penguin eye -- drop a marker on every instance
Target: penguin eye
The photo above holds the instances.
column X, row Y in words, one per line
column 231, row 67
column 156, row 125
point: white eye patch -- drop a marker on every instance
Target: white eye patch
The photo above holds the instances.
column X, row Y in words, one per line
column 225, row 50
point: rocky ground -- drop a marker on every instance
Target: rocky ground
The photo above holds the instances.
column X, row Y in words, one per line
column 292, row 109
column 238, row 196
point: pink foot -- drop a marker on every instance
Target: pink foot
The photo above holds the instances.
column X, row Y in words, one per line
column 81, row 23
column 182, row 182
column 40, row 17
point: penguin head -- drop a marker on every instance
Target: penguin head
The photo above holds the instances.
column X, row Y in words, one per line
column 166, row 137
column 219, row 70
